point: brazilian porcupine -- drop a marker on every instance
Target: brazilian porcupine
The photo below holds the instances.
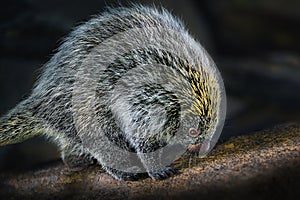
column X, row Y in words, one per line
column 130, row 89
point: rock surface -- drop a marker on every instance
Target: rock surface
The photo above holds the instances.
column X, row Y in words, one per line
column 264, row 165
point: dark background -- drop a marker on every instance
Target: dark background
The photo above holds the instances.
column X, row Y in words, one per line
column 255, row 44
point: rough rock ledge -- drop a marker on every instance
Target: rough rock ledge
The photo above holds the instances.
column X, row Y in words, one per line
column 263, row 165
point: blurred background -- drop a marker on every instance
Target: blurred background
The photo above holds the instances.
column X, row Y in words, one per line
column 255, row 44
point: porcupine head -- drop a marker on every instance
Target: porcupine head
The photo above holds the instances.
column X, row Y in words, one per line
column 129, row 88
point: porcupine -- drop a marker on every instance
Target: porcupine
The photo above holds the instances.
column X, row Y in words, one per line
column 132, row 77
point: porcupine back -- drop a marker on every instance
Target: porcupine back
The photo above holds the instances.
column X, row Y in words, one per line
column 49, row 106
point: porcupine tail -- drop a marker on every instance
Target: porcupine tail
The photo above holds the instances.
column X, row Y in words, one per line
column 19, row 125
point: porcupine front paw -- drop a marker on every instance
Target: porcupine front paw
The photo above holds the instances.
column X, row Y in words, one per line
column 162, row 173
column 122, row 175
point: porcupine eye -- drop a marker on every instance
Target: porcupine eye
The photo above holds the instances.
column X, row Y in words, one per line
column 194, row 132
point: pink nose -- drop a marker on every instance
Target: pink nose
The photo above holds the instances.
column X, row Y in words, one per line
column 200, row 148
column 194, row 148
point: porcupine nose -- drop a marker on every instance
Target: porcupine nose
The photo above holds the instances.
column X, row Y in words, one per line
column 198, row 148
column 194, row 148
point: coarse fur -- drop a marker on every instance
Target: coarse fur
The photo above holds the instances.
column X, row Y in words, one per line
column 129, row 99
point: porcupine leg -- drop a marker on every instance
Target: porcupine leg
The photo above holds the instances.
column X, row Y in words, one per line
column 152, row 166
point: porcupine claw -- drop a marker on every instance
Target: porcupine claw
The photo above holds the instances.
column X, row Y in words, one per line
column 162, row 173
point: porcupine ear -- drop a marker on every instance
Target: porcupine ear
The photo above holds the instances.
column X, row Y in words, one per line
column 19, row 125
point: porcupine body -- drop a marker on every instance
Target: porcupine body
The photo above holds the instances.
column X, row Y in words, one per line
column 131, row 78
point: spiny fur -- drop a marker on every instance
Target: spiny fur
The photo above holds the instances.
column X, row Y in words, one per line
column 130, row 117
